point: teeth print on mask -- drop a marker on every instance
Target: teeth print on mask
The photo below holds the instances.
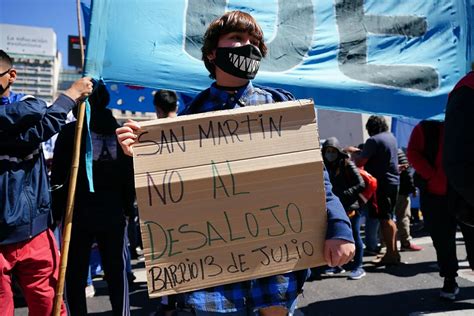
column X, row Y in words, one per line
column 242, row 62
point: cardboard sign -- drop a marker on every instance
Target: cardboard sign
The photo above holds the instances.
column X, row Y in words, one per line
column 229, row 196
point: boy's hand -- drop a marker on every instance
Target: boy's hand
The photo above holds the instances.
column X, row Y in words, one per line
column 80, row 89
column 127, row 135
column 338, row 252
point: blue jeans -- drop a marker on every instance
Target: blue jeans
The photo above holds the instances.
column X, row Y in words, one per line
column 371, row 230
column 89, row 277
column 95, row 263
column 359, row 245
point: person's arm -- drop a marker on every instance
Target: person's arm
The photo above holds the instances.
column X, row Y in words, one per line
column 370, row 147
column 415, row 155
column 403, row 164
column 406, row 178
column 19, row 115
column 339, row 246
column 458, row 149
column 29, row 131
column 31, row 122
column 351, row 193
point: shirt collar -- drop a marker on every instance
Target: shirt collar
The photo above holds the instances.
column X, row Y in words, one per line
column 10, row 99
column 222, row 96
column 4, row 100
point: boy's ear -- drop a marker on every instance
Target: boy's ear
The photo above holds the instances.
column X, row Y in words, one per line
column 211, row 56
column 12, row 75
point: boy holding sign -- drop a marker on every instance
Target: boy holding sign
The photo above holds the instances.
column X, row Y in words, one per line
column 232, row 51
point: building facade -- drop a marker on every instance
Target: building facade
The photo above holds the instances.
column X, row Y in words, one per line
column 35, row 57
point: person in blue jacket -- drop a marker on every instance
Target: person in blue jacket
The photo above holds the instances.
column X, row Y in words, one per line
column 237, row 36
column 28, row 248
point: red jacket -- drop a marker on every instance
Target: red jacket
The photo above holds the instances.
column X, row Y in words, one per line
column 437, row 182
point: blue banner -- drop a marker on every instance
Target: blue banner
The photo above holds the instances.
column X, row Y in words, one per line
column 138, row 98
column 401, row 129
column 392, row 57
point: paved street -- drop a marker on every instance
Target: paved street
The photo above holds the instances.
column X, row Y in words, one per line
column 409, row 289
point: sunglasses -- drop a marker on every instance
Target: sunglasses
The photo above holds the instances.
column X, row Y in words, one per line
column 4, row 73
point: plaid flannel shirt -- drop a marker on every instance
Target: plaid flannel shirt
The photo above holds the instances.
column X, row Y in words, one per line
column 254, row 294
column 245, row 96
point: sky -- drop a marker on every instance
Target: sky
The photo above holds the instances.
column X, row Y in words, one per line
column 59, row 15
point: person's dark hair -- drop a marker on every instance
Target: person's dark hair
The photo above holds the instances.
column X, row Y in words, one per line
column 165, row 100
column 5, row 59
column 376, row 125
column 100, row 97
column 102, row 119
column 233, row 21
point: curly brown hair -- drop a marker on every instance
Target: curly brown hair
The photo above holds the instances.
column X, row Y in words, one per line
column 233, row 21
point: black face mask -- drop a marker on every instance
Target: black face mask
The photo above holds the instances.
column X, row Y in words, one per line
column 3, row 89
column 242, row 62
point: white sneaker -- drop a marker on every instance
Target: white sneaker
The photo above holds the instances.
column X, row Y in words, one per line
column 90, row 291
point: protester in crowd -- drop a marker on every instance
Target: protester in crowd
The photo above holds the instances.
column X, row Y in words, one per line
column 369, row 211
column 100, row 215
column 28, row 249
column 459, row 150
column 403, row 205
column 166, row 103
column 379, row 158
column 425, row 150
column 347, row 184
column 371, row 232
column 238, row 33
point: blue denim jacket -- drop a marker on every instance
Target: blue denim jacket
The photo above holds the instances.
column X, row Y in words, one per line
column 25, row 200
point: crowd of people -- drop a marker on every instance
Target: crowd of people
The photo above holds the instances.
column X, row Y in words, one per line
column 443, row 207
column 373, row 180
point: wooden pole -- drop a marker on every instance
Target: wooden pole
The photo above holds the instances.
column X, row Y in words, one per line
column 67, row 228
column 66, row 237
